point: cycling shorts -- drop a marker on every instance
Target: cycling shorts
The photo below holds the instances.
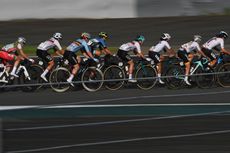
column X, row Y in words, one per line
column 209, row 53
column 44, row 55
column 6, row 56
column 71, row 57
column 155, row 56
column 124, row 56
column 182, row 54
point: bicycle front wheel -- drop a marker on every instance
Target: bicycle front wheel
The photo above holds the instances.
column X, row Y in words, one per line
column 146, row 77
column 223, row 75
column 175, row 77
column 114, row 77
column 58, row 79
column 92, row 79
column 205, row 79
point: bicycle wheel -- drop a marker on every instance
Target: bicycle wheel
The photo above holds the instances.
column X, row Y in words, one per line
column 146, row 77
column 92, row 79
column 58, row 79
column 34, row 79
column 204, row 79
column 224, row 75
column 114, row 72
column 174, row 79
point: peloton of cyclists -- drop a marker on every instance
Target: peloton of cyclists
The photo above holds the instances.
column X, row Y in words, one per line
column 134, row 46
column 14, row 52
column 156, row 53
column 99, row 43
column 186, row 53
column 215, row 43
column 44, row 47
column 76, row 46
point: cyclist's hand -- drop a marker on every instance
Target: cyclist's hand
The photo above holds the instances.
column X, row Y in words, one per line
column 148, row 59
column 31, row 60
column 96, row 60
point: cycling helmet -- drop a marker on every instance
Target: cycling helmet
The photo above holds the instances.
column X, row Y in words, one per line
column 197, row 38
column 103, row 35
column 165, row 36
column 21, row 40
column 223, row 34
column 85, row 35
column 57, row 36
column 140, row 38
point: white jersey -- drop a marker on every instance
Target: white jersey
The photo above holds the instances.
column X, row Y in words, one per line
column 13, row 47
column 160, row 46
column 190, row 46
column 49, row 44
column 214, row 42
column 131, row 46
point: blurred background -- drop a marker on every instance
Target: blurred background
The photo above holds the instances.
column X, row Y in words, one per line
column 21, row 9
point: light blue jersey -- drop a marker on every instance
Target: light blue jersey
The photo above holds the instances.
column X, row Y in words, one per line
column 78, row 45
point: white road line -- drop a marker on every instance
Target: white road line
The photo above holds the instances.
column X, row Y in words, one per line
column 123, row 141
column 114, row 122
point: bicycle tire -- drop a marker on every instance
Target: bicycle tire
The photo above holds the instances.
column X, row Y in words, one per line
column 114, row 72
column 174, row 77
column 146, row 77
column 92, row 79
column 58, row 79
column 204, row 81
column 34, row 73
column 223, row 77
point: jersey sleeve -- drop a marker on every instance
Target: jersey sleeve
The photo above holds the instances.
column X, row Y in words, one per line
column 57, row 45
column 138, row 47
column 86, row 46
column 197, row 46
column 19, row 46
column 222, row 43
column 166, row 44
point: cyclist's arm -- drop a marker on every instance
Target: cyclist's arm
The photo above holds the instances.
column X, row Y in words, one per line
column 106, row 51
column 223, row 50
column 22, row 54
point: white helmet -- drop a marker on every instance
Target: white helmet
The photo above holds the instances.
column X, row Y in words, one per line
column 57, row 36
column 165, row 36
column 21, row 40
column 197, row 38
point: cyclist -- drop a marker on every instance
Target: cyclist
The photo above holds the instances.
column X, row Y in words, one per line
column 134, row 46
column 156, row 53
column 78, row 45
column 44, row 47
column 14, row 52
column 215, row 43
column 99, row 43
column 185, row 53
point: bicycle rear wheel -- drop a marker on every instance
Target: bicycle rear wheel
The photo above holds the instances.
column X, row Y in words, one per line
column 204, row 79
column 175, row 77
column 146, row 77
column 114, row 77
column 92, row 79
column 58, row 79
column 224, row 75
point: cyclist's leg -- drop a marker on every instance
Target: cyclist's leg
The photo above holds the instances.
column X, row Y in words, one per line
column 44, row 55
column 211, row 55
column 158, row 59
column 187, row 58
column 73, row 60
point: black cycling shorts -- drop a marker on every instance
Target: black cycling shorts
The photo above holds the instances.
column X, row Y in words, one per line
column 71, row 57
column 44, row 55
column 209, row 53
column 155, row 56
column 182, row 54
column 124, row 55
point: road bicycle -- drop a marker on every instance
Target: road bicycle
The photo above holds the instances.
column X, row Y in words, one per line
column 116, row 75
column 200, row 73
column 89, row 76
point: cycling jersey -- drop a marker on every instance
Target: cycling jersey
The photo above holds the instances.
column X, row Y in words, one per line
column 52, row 43
column 79, row 44
column 12, row 48
column 190, row 46
column 97, row 43
column 131, row 46
column 161, row 46
column 213, row 43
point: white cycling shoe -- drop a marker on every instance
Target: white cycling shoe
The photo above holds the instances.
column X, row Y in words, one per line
column 70, row 82
column 161, row 82
column 187, row 82
column 14, row 75
column 132, row 80
column 44, row 78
